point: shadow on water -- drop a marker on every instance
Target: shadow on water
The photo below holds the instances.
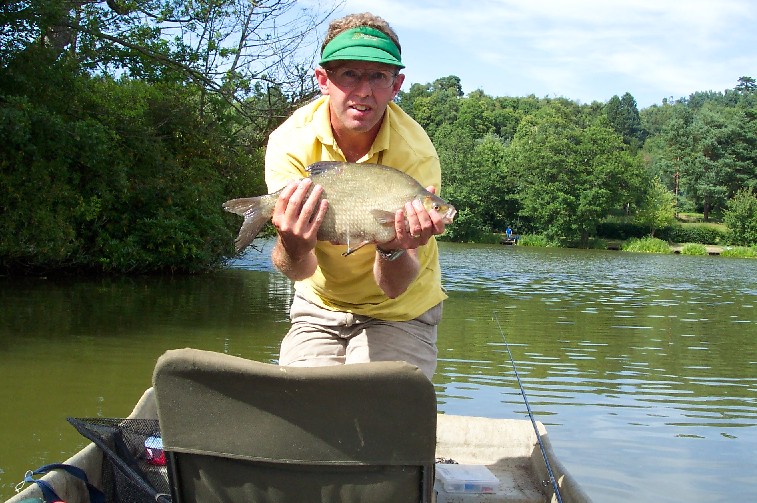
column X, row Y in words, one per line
column 643, row 367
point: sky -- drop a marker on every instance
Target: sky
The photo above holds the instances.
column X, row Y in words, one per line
column 582, row 50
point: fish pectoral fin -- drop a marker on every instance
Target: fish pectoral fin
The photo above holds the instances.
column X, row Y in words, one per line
column 383, row 217
column 352, row 250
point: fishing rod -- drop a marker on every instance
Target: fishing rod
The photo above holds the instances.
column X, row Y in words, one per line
column 530, row 414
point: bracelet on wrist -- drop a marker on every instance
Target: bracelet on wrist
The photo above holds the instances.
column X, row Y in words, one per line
column 389, row 255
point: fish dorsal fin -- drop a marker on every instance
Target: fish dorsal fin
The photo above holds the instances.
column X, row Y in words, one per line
column 383, row 217
column 321, row 167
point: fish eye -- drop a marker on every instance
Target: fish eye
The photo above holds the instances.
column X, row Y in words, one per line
column 437, row 206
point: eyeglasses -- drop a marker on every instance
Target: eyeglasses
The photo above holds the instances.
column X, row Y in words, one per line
column 349, row 78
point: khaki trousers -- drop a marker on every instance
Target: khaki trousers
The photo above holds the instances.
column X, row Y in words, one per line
column 320, row 337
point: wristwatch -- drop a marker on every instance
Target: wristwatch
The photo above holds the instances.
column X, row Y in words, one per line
column 390, row 254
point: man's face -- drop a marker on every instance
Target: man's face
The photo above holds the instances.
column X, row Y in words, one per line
column 359, row 94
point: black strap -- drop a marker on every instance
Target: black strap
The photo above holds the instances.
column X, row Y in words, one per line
column 95, row 495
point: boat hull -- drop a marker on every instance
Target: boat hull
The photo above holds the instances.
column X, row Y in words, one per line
column 509, row 448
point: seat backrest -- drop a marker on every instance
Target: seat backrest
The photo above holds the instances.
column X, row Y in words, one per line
column 240, row 430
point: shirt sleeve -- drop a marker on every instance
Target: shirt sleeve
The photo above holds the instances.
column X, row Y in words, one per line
column 281, row 166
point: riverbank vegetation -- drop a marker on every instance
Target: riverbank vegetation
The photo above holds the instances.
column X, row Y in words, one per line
column 124, row 127
column 574, row 172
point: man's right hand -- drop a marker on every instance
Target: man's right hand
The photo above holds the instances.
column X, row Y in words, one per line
column 297, row 217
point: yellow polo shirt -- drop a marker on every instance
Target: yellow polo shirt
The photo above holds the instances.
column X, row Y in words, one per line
column 346, row 283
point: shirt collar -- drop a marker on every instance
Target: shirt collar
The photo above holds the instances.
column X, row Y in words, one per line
column 322, row 122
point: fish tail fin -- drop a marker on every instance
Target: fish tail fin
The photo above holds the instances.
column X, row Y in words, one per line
column 256, row 212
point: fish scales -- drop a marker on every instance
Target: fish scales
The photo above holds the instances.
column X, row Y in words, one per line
column 356, row 213
column 363, row 199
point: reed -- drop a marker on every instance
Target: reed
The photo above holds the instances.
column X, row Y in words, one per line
column 647, row 245
column 694, row 249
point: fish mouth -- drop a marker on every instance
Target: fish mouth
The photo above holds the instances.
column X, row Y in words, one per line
column 449, row 215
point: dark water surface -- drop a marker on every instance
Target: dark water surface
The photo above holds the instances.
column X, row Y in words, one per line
column 642, row 367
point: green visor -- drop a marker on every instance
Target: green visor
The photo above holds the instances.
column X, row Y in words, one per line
column 362, row 44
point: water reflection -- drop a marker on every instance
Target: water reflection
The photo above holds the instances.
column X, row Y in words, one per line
column 643, row 367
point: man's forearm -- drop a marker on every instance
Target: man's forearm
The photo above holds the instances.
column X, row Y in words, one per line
column 294, row 268
column 394, row 276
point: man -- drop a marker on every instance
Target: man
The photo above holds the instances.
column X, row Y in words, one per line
column 380, row 303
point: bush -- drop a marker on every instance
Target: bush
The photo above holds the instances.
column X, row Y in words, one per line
column 467, row 228
column 647, row 245
column 536, row 240
column 598, row 244
column 694, row 233
column 694, row 249
column 741, row 217
column 621, row 230
column 124, row 177
column 740, row 252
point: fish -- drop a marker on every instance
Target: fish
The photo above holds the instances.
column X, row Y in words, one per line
column 363, row 199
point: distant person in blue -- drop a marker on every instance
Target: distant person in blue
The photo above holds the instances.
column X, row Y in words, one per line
column 509, row 232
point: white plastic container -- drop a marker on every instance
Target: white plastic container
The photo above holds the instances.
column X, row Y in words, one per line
column 465, row 479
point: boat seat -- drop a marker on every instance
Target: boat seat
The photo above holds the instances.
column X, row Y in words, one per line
column 239, row 430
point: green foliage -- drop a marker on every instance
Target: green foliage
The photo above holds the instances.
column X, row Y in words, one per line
column 476, row 182
column 646, row 245
column 694, row 249
column 741, row 217
column 537, row 241
column 129, row 174
column 571, row 173
column 703, row 148
column 120, row 176
column 433, row 105
column 621, row 230
column 657, row 209
column 598, row 244
column 739, row 252
column 623, row 116
column 694, row 233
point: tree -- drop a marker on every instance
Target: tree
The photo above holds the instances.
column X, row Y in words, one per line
column 623, row 115
column 741, row 217
column 475, row 114
column 657, row 209
column 122, row 177
column 704, row 147
column 120, row 140
column 476, row 181
column 223, row 46
column 570, row 175
column 432, row 105
column 746, row 85
column 709, row 171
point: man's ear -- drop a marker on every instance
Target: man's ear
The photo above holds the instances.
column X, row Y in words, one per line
column 398, row 80
column 323, row 80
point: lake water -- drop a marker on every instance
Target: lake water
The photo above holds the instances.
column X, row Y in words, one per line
column 642, row 367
